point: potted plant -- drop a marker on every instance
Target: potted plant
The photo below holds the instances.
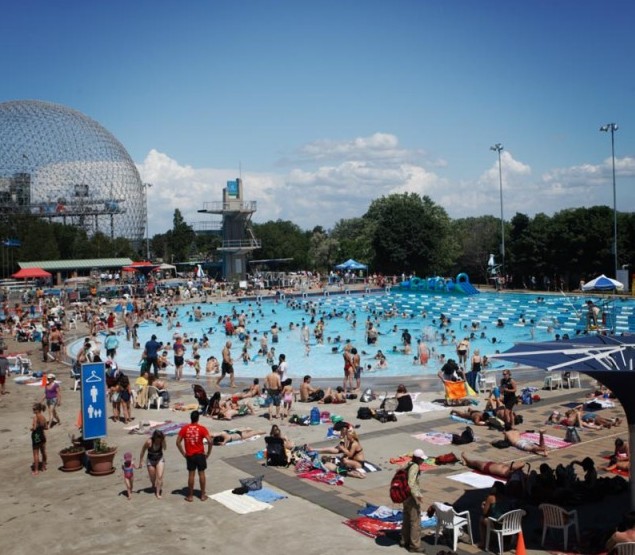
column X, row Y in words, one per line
column 100, row 458
column 72, row 458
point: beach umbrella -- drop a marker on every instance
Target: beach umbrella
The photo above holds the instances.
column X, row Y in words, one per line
column 31, row 273
column 603, row 283
column 351, row 264
column 607, row 358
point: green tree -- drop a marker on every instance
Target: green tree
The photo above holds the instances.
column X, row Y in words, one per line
column 411, row 234
column 283, row 239
column 477, row 239
column 354, row 237
column 180, row 239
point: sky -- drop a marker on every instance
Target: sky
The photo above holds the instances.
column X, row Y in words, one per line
column 323, row 106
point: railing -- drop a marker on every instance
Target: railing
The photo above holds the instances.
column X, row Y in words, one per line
column 231, row 206
column 241, row 244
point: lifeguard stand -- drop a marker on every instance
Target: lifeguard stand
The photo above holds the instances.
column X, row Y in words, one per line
column 238, row 237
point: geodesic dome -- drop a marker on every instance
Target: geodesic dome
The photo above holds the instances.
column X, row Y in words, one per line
column 57, row 163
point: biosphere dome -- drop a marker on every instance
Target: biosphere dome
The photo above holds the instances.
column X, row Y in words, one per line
column 61, row 165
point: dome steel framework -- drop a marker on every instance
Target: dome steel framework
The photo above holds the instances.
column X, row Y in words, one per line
column 59, row 164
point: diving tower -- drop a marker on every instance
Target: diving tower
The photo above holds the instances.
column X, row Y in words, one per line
column 238, row 237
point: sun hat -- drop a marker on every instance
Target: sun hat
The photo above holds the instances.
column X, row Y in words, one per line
column 50, row 376
column 418, row 454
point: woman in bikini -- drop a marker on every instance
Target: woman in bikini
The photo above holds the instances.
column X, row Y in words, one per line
column 227, row 436
column 476, row 416
column 352, row 451
column 155, row 446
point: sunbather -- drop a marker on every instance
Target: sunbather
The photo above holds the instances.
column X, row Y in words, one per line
column 493, row 468
column 227, row 436
column 524, row 444
column 575, row 417
column 474, row 415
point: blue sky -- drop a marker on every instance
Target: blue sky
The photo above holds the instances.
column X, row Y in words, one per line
column 327, row 105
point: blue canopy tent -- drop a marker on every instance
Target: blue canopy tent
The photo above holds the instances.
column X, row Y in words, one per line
column 607, row 358
column 351, row 264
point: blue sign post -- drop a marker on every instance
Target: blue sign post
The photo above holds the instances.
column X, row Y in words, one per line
column 94, row 405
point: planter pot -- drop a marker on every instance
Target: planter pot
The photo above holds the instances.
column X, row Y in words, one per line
column 100, row 464
column 72, row 462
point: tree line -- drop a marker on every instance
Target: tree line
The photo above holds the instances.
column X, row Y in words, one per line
column 400, row 233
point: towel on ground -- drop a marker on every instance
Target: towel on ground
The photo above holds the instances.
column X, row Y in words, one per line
column 241, row 504
column 551, row 442
column 266, row 495
column 460, row 419
column 475, row 479
column 435, row 438
column 330, row 478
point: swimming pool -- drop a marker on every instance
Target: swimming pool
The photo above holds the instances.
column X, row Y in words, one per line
column 524, row 317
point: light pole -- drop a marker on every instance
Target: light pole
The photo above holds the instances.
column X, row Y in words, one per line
column 497, row 148
column 146, row 186
column 612, row 127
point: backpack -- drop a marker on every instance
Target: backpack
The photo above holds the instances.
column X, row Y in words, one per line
column 572, row 435
column 466, row 437
column 526, row 397
column 399, row 488
column 364, row 413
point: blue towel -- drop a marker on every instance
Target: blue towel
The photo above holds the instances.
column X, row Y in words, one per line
column 266, row 495
column 459, row 419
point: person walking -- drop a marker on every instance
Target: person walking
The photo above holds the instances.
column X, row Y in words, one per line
column 191, row 444
column 154, row 447
column 508, row 388
column 227, row 366
column 411, row 527
column 4, row 372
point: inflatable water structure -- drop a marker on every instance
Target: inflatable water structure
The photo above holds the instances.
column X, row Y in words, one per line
column 461, row 285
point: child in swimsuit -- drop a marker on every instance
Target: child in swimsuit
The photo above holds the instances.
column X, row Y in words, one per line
column 128, row 473
column 287, row 398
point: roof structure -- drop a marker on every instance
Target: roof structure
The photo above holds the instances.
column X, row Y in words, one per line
column 87, row 264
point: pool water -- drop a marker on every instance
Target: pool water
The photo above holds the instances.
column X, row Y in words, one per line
column 525, row 318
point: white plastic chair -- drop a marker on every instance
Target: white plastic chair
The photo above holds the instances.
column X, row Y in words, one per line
column 449, row 519
column 572, row 378
column 77, row 377
column 559, row 519
column 553, row 380
column 508, row 524
column 626, row 548
column 153, row 397
column 485, row 382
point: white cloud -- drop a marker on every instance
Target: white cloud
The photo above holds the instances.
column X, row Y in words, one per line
column 331, row 180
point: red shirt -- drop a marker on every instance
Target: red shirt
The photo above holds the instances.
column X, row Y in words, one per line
column 193, row 436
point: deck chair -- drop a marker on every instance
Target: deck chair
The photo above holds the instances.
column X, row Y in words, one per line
column 509, row 524
column 153, row 397
column 558, row 518
column 449, row 519
column 276, row 453
column 77, row 376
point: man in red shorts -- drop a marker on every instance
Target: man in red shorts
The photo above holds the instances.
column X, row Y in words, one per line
column 190, row 443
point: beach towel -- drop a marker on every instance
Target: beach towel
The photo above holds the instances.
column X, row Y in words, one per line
column 381, row 512
column 435, row 438
column 151, row 423
column 371, row 527
column 426, row 406
column 324, row 477
column 266, row 495
column 428, row 464
column 551, row 442
column 241, row 504
column 460, row 419
column 455, row 390
column 475, row 479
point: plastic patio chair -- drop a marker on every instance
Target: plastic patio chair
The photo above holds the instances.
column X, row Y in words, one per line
column 449, row 519
column 558, row 518
column 508, row 524
column 572, row 379
column 626, row 548
column 153, row 398
column 485, row 381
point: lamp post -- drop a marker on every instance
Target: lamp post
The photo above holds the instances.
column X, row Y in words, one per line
column 612, row 127
column 146, row 186
column 497, row 148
